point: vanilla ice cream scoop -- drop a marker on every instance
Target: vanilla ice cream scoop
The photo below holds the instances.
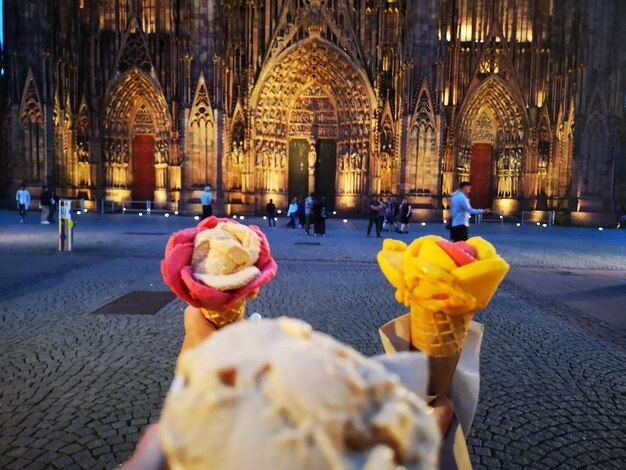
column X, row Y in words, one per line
column 224, row 256
column 276, row 395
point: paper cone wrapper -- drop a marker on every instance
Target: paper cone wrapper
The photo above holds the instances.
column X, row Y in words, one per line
column 220, row 319
column 465, row 385
column 397, row 336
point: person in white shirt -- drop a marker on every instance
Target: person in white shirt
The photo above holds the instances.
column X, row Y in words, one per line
column 460, row 211
column 206, row 199
column 292, row 213
column 23, row 201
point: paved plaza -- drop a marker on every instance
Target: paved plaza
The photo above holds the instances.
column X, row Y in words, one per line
column 77, row 389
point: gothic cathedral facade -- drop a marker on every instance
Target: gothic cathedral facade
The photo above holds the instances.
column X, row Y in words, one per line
column 121, row 100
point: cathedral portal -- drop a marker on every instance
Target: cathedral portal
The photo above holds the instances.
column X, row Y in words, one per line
column 136, row 139
column 312, row 126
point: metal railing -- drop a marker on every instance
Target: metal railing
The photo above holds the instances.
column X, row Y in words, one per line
column 75, row 204
column 479, row 218
column 149, row 207
column 143, row 207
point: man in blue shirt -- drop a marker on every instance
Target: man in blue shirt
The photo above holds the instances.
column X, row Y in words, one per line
column 207, row 199
column 460, row 211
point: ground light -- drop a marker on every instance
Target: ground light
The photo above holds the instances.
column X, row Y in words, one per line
column 279, row 211
column 264, row 217
column 345, row 221
column 197, row 217
column 423, row 224
column 445, row 221
column 600, row 228
column 334, row 212
column 544, row 225
column 241, row 217
column 275, row 219
column 124, row 209
column 234, row 216
column 78, row 212
column 518, row 224
column 538, row 223
column 85, row 211
column 166, row 215
column 141, row 214
column 175, row 212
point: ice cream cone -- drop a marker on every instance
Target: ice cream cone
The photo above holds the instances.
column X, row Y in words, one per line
column 441, row 338
column 220, row 319
column 437, row 334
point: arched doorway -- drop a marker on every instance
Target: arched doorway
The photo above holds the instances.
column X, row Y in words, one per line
column 311, row 128
column 136, row 139
column 492, row 144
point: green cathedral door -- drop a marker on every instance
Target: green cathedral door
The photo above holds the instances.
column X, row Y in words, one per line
column 298, row 169
column 326, row 170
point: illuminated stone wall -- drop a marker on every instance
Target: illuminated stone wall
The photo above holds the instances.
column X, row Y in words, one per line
column 409, row 93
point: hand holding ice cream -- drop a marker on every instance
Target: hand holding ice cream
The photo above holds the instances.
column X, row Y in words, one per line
column 444, row 284
column 287, row 397
column 216, row 266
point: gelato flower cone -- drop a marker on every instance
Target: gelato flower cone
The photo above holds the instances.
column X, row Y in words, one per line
column 216, row 266
column 444, row 284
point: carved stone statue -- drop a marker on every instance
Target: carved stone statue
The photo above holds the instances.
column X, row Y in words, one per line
column 312, row 156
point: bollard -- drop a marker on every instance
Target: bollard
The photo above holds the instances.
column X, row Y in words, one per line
column 66, row 225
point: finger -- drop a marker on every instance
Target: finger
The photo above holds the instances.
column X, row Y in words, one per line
column 197, row 328
column 148, row 452
column 442, row 410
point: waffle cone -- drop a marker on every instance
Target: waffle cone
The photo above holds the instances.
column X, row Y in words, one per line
column 220, row 319
column 437, row 334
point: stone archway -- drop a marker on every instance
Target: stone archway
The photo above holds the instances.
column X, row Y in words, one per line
column 491, row 143
column 313, row 93
column 136, row 139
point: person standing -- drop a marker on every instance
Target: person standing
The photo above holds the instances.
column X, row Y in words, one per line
column 382, row 213
column 301, row 217
column 319, row 217
column 54, row 199
column 374, row 209
column 392, row 214
column 270, row 209
column 207, row 202
column 292, row 213
column 406, row 211
column 460, row 211
column 44, row 201
column 308, row 212
column 23, row 201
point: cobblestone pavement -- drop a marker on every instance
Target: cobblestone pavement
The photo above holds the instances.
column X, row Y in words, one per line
column 77, row 389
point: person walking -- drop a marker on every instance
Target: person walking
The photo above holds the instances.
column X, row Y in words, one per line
column 406, row 211
column 292, row 213
column 308, row 213
column 319, row 217
column 23, row 201
column 374, row 209
column 45, row 201
column 207, row 202
column 460, row 211
column 270, row 209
